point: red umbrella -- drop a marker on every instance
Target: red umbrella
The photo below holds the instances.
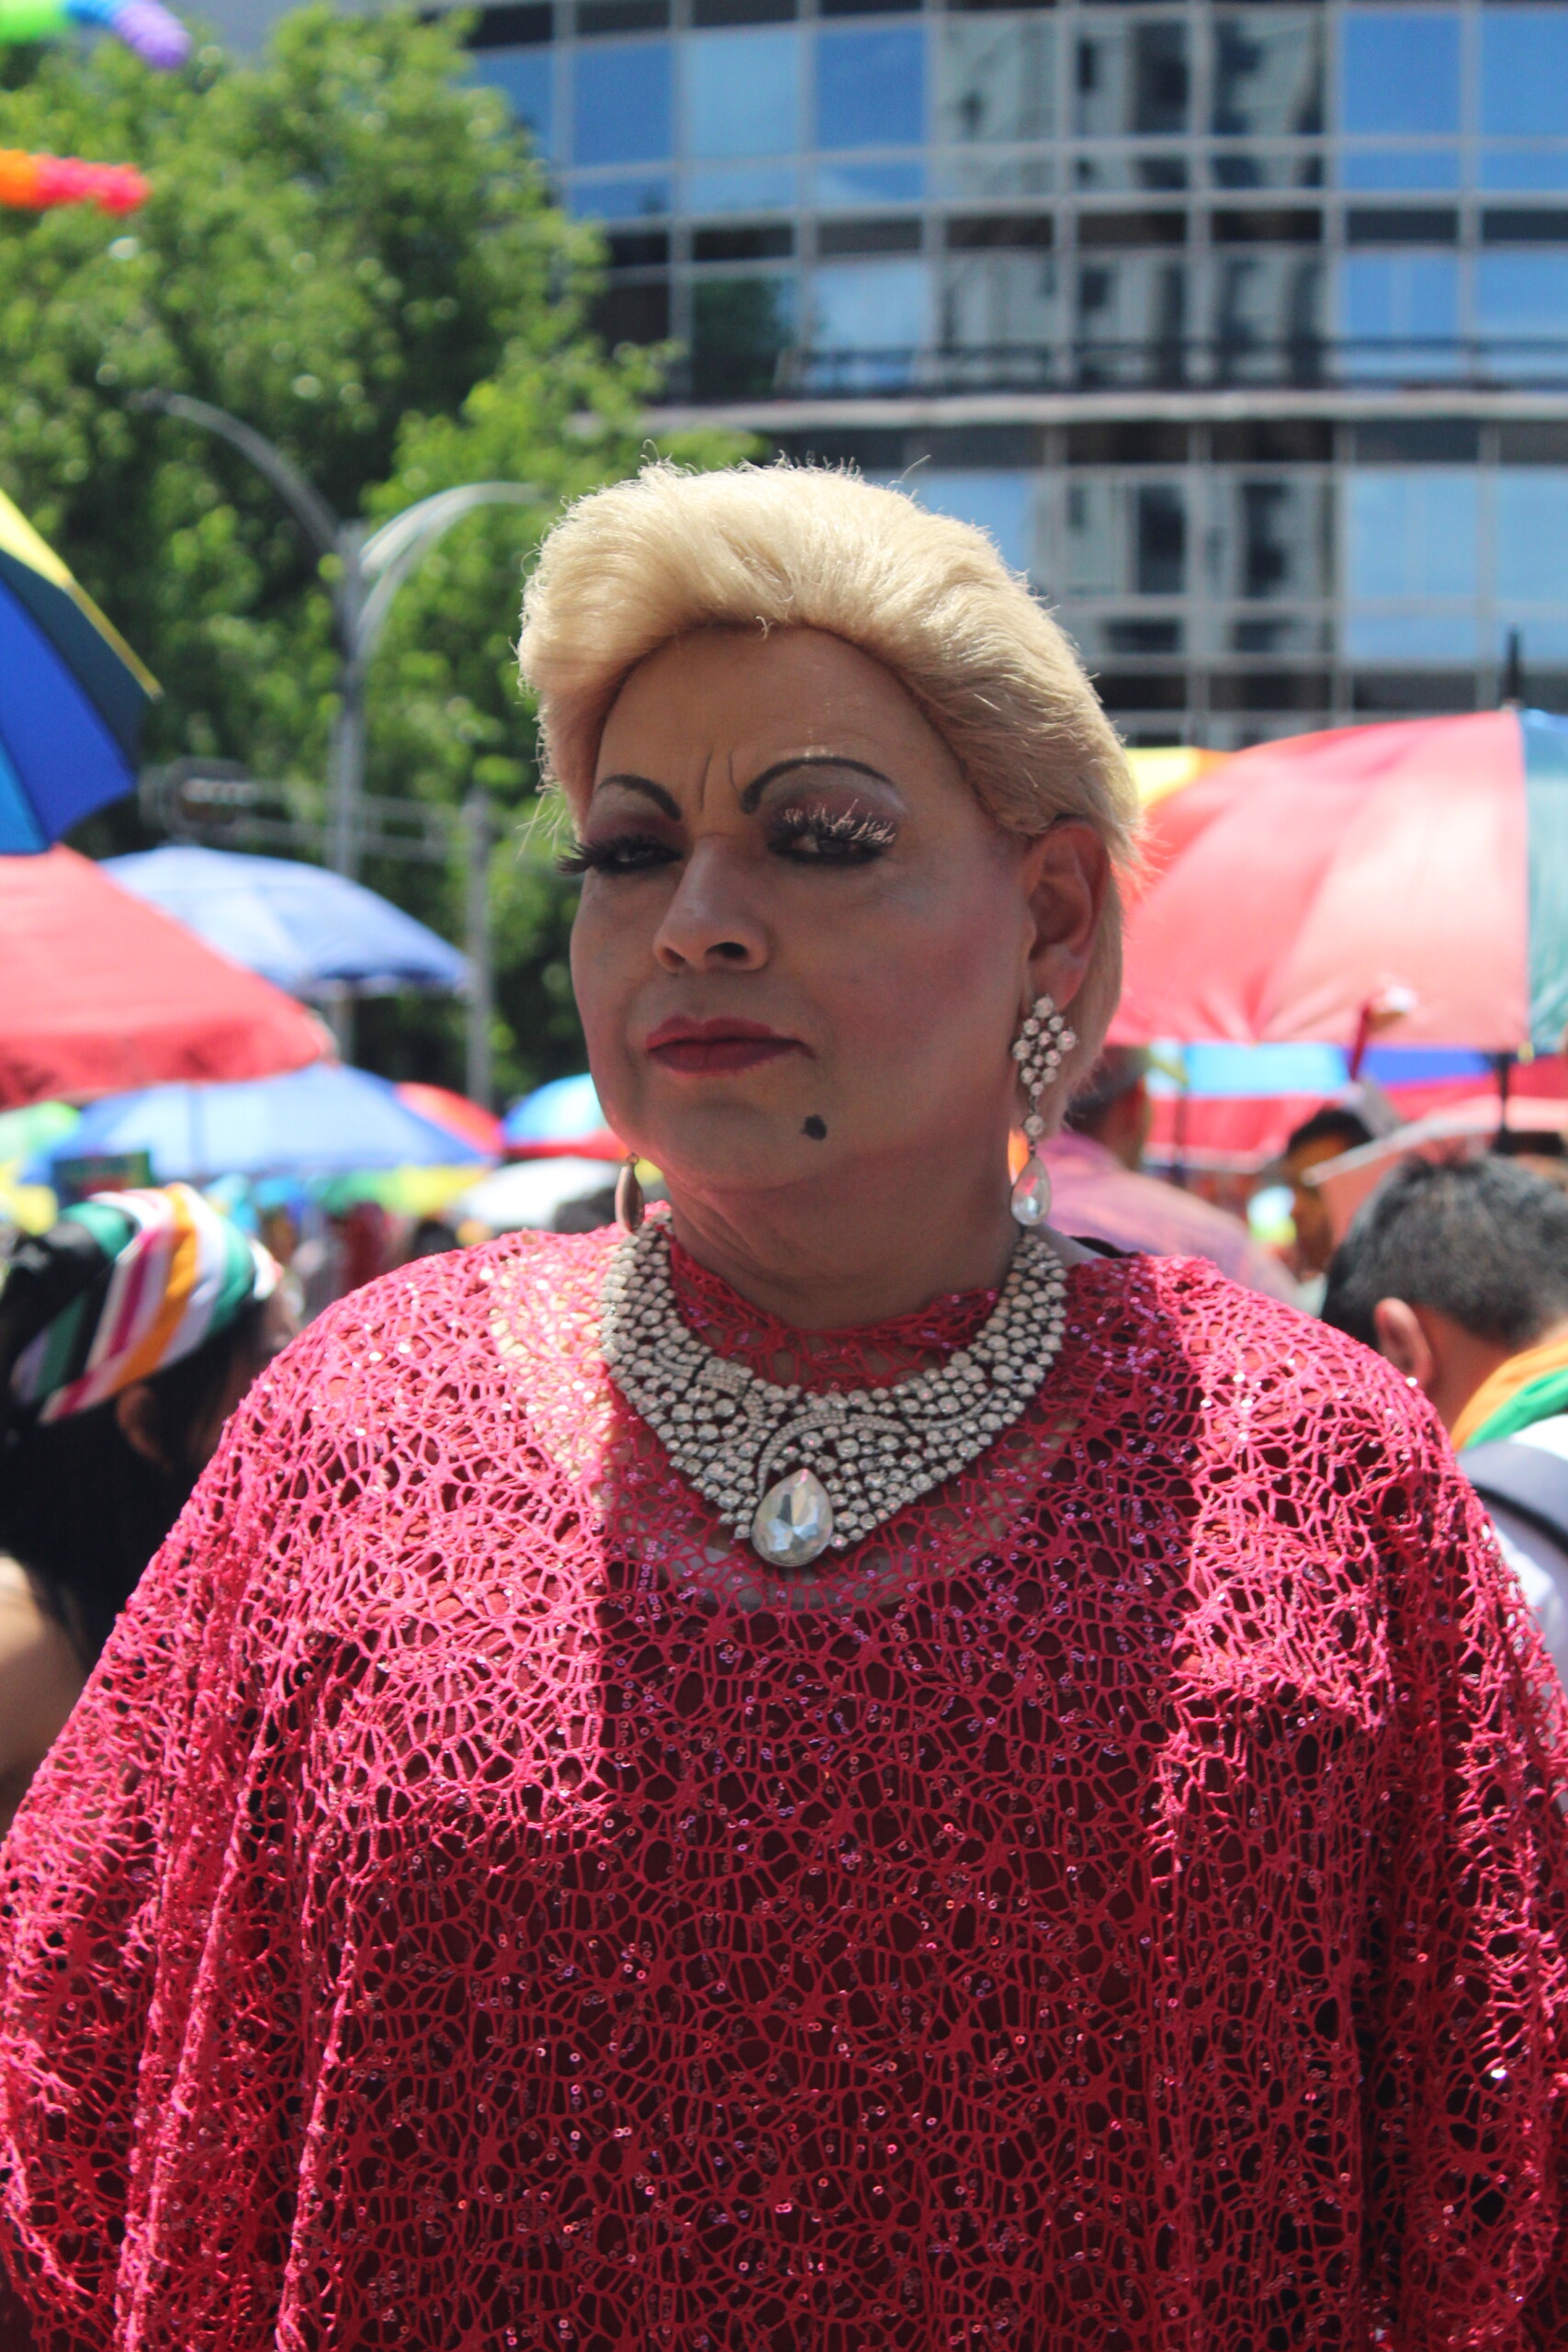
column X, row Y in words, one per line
column 462, row 1117
column 1403, row 879
column 99, row 993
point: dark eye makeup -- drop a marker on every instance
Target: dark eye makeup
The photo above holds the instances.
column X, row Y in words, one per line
column 804, row 834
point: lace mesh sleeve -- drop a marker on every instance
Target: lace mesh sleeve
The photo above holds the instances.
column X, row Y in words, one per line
column 107, row 1877
column 1467, row 2025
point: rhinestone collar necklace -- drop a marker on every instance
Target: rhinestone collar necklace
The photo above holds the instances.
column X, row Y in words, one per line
column 799, row 1471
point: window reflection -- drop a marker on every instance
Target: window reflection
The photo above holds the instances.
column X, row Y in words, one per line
column 1267, row 306
column 1532, row 535
column 1521, row 309
column 871, row 306
column 1125, row 539
column 526, row 77
column 740, row 329
column 1131, row 78
column 622, row 109
column 1524, row 70
column 850, row 188
column 1268, row 75
column 755, row 187
column 1399, row 71
column 1393, row 304
column 1132, row 318
column 1400, row 167
column 631, row 198
column 871, row 86
column 996, row 78
column 742, row 93
column 976, row 177
column 991, row 300
column 1544, row 168
column 1002, row 505
column 1411, row 532
column 1274, row 540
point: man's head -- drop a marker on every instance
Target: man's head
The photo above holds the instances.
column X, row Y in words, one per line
column 1448, row 1270
column 1113, row 1106
column 1322, row 1138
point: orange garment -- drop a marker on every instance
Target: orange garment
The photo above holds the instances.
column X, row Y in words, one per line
column 1498, row 1387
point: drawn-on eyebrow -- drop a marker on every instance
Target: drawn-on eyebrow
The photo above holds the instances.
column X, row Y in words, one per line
column 759, row 785
column 650, row 791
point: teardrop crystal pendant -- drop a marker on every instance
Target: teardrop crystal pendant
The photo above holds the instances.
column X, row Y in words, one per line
column 1031, row 1202
column 628, row 1199
column 794, row 1521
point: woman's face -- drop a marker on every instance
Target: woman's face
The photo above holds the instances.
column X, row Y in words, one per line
column 802, row 943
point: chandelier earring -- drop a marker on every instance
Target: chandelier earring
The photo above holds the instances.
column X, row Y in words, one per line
column 1039, row 1048
column 629, row 1207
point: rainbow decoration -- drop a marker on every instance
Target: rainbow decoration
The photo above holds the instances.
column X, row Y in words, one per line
column 145, row 27
column 34, row 183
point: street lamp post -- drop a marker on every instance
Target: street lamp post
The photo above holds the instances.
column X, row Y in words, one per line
column 369, row 569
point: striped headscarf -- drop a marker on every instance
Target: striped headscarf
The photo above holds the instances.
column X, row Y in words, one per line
column 174, row 1272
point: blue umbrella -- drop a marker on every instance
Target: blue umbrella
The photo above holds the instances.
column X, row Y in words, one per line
column 73, row 696
column 323, row 1121
column 301, row 927
column 563, row 1116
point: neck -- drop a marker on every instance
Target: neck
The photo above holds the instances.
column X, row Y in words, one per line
column 857, row 1249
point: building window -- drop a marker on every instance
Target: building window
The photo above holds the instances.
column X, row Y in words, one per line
column 1002, row 505
column 622, row 102
column 1411, row 562
column 1399, row 71
column 526, row 79
column 1268, row 75
column 1521, row 311
column 633, row 197
column 742, row 94
column 1415, row 168
column 1399, row 313
column 996, row 79
column 850, row 188
column 860, row 306
column 1532, row 537
column 1524, row 71
column 1132, row 79
column 871, row 87
column 740, row 329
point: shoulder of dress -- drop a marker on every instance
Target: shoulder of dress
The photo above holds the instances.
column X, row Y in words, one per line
column 434, row 1316
column 1235, row 1339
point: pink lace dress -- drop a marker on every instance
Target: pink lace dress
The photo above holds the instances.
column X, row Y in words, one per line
column 473, row 1907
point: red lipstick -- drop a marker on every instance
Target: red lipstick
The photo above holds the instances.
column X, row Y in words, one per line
column 725, row 1043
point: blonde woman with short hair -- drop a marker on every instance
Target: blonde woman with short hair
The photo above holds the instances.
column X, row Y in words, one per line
column 826, row 1769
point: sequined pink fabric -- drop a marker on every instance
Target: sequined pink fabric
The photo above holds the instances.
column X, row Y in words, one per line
column 473, row 1907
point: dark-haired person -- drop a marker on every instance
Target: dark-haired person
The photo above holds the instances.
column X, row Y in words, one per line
column 127, row 1335
column 1328, row 1133
column 1457, row 1273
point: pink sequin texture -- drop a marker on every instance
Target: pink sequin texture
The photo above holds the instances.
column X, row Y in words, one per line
column 475, row 1906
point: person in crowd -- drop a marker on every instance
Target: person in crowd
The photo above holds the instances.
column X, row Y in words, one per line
column 823, row 1769
column 1457, row 1273
column 1325, row 1136
column 1099, row 1191
column 128, row 1334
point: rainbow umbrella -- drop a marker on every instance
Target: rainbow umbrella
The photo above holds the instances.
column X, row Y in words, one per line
column 1408, row 882
column 73, row 696
column 562, row 1119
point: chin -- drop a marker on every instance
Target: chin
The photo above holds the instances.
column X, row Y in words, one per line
column 732, row 1149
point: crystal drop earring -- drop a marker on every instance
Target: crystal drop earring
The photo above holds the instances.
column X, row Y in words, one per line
column 628, row 1196
column 1039, row 1048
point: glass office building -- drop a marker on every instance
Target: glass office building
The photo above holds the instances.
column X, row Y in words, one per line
column 1243, row 328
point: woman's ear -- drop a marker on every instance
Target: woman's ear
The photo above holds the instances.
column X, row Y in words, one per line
column 136, row 1418
column 1068, row 874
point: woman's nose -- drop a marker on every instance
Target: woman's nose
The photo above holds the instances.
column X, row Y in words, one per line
column 712, row 923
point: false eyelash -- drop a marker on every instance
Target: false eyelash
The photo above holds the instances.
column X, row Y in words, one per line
column 603, row 857
column 847, row 829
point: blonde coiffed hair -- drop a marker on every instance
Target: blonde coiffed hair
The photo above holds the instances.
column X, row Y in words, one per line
column 630, row 568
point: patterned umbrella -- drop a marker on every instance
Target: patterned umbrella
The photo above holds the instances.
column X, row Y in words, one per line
column 73, row 696
column 1407, row 881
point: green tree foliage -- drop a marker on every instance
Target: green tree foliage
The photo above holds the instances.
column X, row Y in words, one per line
column 349, row 245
